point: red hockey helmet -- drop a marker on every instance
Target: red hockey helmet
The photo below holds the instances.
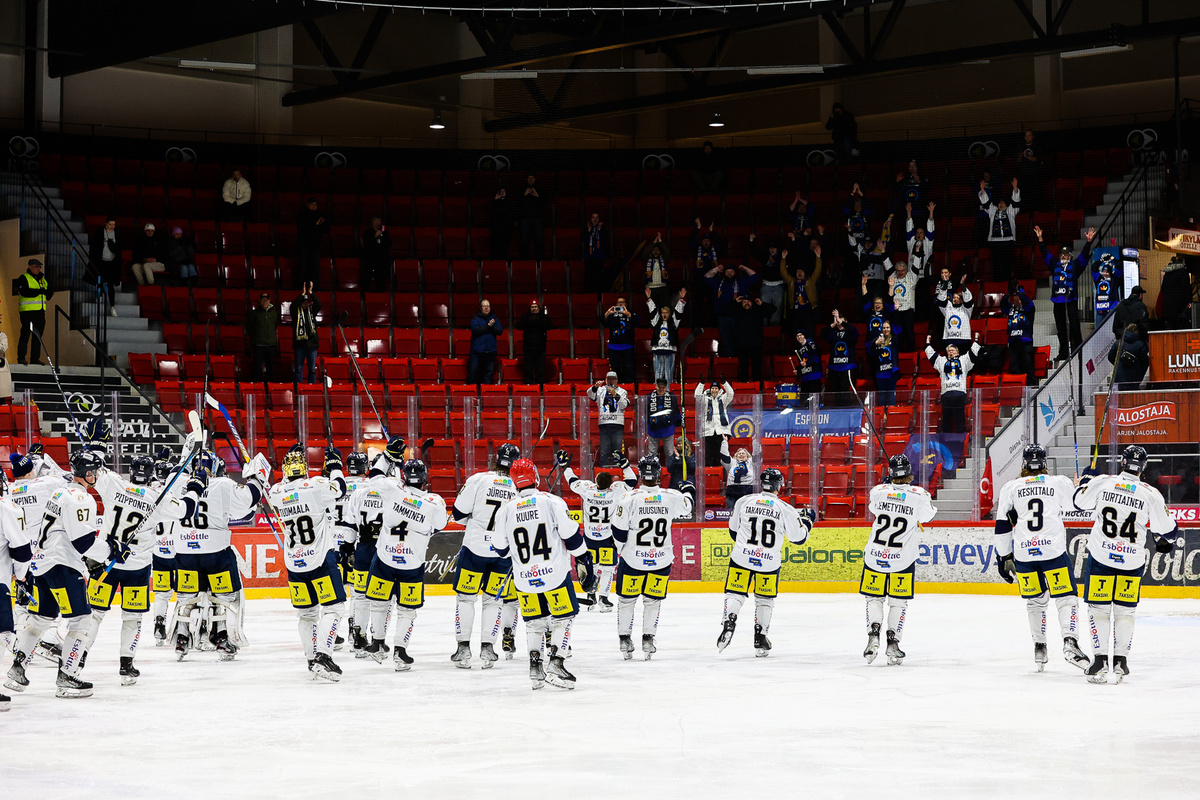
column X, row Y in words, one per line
column 524, row 473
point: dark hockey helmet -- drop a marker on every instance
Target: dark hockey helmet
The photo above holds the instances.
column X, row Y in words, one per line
column 207, row 460
column 141, row 469
column 507, row 455
column 86, row 462
column 772, row 480
column 414, row 473
column 1133, row 459
column 899, row 467
column 162, row 469
column 525, row 474
column 356, row 464
column 649, row 470
column 1033, row 458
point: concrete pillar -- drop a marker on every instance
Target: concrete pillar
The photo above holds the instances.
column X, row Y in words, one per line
column 273, row 47
column 476, row 99
column 1047, row 74
column 48, row 92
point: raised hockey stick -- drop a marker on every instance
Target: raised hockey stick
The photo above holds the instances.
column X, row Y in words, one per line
column 1075, row 421
column 326, row 381
column 57, row 382
column 207, row 370
column 271, row 514
column 869, row 420
column 366, row 389
column 1107, row 402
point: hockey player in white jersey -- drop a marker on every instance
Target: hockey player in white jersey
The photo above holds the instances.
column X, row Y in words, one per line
column 599, row 500
column 642, row 528
column 132, row 515
column 1031, row 544
column 1127, row 511
column 480, row 569
column 310, row 554
column 162, row 559
column 68, row 529
column 900, row 510
column 407, row 517
column 355, row 475
column 536, row 532
column 758, row 525
column 204, row 558
column 16, row 551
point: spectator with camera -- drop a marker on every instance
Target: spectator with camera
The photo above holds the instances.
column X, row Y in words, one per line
column 611, row 401
column 621, row 324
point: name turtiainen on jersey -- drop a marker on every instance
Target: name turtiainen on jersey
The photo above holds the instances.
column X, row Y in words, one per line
column 901, row 511
column 758, row 525
column 536, row 533
column 599, row 500
column 641, row 527
column 1031, row 544
column 1127, row 514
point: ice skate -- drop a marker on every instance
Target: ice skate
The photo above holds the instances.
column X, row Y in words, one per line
column 487, row 655
column 49, row 651
column 5, row 701
column 16, row 680
column 762, row 645
column 726, row 635
column 338, row 643
column 648, row 647
column 606, row 605
column 1040, row 656
column 1120, row 667
column 160, row 631
column 508, row 643
column 71, row 688
column 1098, row 671
column 182, row 645
column 537, row 675
column 462, row 656
column 128, row 672
column 894, row 654
column 590, row 602
column 872, row 643
column 358, row 642
column 325, row 669
column 1073, row 654
column 227, row 649
column 377, row 650
column 402, row 658
column 558, row 675
column 627, row 647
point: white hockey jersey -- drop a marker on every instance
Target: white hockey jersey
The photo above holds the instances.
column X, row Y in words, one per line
column 353, row 513
column 304, row 511
column 1029, row 517
column 481, row 497
column 70, row 515
column 13, row 534
column 126, row 504
column 408, row 518
column 1125, row 510
column 598, row 506
column 207, row 530
column 337, row 512
column 534, row 528
column 758, row 525
column 30, row 495
column 900, row 511
column 642, row 526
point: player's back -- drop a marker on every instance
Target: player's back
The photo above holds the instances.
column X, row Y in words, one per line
column 1034, row 505
column 303, row 507
column 30, row 496
column 646, row 515
column 760, row 522
column 598, row 505
column 207, row 530
column 126, row 506
column 533, row 528
column 70, row 514
column 410, row 518
column 1125, row 510
column 899, row 510
column 13, row 534
column 482, row 497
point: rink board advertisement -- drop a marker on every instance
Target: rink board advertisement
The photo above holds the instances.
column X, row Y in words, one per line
column 1155, row 417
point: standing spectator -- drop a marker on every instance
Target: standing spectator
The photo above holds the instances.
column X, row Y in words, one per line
column 910, row 189
column 675, row 465
column 305, row 335
column 727, row 286
column 881, row 355
column 531, row 219
column 801, row 217
column 945, row 286
column 664, row 333
column 772, row 267
column 709, row 173
column 957, row 309
column 750, row 315
column 920, row 240
column 181, row 255
column 858, row 215
column 6, row 381
column 262, row 329
column 593, row 254
column 235, row 195
column 843, row 129
column 105, row 251
column 500, row 225
column 1131, row 310
column 705, row 247
column 802, row 286
column 1029, row 170
column 902, row 286
column 533, row 324
column 621, row 324
column 656, row 269
column 148, row 257
column 842, row 337
column 1002, row 228
column 611, row 401
column 1020, row 310
column 877, row 310
column 376, row 257
column 1129, row 371
column 311, row 226
column 981, row 216
column 662, row 415
column 1107, row 274
column 34, row 290
column 485, row 327
column 807, row 364
column 952, row 368
column 714, row 419
column 873, row 262
column 1065, row 269
column 739, row 480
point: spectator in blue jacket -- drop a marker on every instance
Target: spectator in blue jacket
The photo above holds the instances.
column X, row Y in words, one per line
column 857, row 212
column 807, row 364
column 1020, row 310
column 728, row 284
column 841, row 336
column 1107, row 275
column 877, row 311
column 1065, row 269
column 485, row 327
column 881, row 355
column 621, row 323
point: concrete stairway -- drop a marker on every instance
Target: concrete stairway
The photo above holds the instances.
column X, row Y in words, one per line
column 129, row 332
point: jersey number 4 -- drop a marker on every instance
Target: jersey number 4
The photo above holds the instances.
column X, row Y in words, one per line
column 1108, row 524
column 899, row 526
column 526, row 550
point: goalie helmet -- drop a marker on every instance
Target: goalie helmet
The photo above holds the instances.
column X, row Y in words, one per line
column 524, row 474
column 649, row 470
column 899, row 467
column 1133, row 459
column 414, row 473
column 141, row 469
column 772, row 480
column 294, row 465
column 1033, row 458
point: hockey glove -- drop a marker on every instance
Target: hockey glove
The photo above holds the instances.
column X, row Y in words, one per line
column 586, row 571
column 562, row 458
column 1004, row 565
column 425, row 446
column 687, row 487
column 333, row 459
column 24, row 594
column 118, row 550
column 740, row 471
column 395, row 450
column 36, row 449
column 346, row 556
column 198, row 482
column 621, row 460
column 807, row 517
column 1162, row 544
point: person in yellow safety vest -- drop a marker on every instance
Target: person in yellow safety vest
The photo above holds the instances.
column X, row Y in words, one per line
column 34, row 291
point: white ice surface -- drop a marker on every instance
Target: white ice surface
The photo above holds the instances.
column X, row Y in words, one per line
column 965, row 716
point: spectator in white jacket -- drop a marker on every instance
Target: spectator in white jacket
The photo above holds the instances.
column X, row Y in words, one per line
column 957, row 305
column 714, row 419
column 920, row 241
column 952, row 368
column 664, row 333
column 902, row 287
column 235, row 195
column 1002, row 227
column 611, row 401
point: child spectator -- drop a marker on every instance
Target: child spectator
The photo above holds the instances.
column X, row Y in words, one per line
column 953, row 369
column 305, row 336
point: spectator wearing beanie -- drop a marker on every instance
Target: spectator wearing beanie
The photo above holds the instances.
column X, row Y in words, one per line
column 485, row 327
column 1002, row 227
column 148, row 257
column 611, row 401
column 714, row 419
column 1020, row 310
column 664, row 333
column 533, row 325
column 181, row 255
column 952, row 368
column 235, row 197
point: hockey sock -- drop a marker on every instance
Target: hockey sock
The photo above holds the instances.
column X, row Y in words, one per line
column 307, row 626
column 1068, row 614
column 604, row 576
column 131, row 632
column 535, row 631
column 1036, row 609
column 6, row 641
column 380, row 609
column 733, row 604
column 35, row 626
column 625, row 615
column 509, row 614
column 327, row 627
column 1098, row 616
column 896, row 612
column 650, row 611
column 89, row 636
column 464, row 617
column 874, row 612
column 159, row 607
column 405, row 617
column 764, row 607
column 490, row 618
column 560, row 633
column 72, row 647
column 1122, row 629
column 362, row 611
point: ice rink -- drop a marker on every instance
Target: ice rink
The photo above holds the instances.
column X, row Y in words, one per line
column 965, row 716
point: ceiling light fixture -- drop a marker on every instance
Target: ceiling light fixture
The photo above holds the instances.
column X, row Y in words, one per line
column 437, row 124
column 191, row 63
column 716, row 121
column 1096, row 51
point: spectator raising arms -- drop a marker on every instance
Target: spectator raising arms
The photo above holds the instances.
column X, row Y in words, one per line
column 920, row 241
column 235, row 197
column 772, row 268
column 534, row 324
column 1020, row 310
column 728, row 284
column 621, row 324
column 305, row 336
column 952, row 368
column 801, row 217
column 148, row 257
column 1065, row 269
column 807, row 364
column 877, row 311
column 1107, row 274
column 1002, row 228
column 611, row 401
column 664, row 333
column 885, row 367
column 842, row 337
column 858, row 216
column 656, row 256
column 714, row 419
column 802, row 286
column 485, row 327
column 902, row 286
column 957, row 307
column 705, row 246
column 376, row 257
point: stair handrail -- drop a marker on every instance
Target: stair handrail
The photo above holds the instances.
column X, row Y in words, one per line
column 1136, row 183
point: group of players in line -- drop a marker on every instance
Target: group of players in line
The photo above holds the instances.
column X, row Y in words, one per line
column 166, row 528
